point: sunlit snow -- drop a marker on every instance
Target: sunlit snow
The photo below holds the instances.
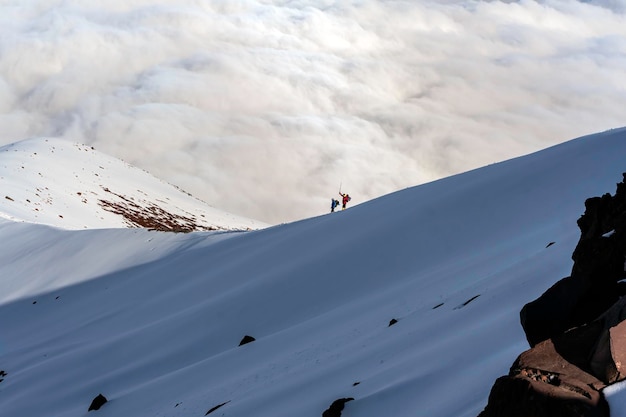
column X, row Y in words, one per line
column 52, row 181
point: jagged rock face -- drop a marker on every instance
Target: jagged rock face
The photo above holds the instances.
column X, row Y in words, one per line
column 598, row 266
column 576, row 329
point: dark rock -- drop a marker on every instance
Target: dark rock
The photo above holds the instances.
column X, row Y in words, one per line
column 466, row 302
column 97, row 402
column 569, row 303
column 593, row 222
column 246, row 339
column 470, row 300
column 216, row 407
column 336, row 407
column 392, row 322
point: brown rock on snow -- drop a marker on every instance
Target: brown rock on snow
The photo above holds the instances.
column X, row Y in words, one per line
column 555, row 378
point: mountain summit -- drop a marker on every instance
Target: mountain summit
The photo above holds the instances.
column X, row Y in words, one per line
column 73, row 186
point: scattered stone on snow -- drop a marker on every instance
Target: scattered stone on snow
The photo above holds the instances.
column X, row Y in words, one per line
column 97, row 402
column 246, row 339
column 216, row 407
column 467, row 302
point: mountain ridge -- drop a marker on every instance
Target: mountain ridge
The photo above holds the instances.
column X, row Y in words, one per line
column 73, row 186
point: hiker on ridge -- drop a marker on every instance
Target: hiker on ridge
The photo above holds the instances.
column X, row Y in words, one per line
column 344, row 200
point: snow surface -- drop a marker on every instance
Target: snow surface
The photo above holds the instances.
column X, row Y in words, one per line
column 152, row 320
column 616, row 396
column 58, row 183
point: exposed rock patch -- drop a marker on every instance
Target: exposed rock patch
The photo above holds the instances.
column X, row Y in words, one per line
column 150, row 216
column 77, row 188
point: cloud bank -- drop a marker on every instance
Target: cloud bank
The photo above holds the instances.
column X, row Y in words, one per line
column 265, row 108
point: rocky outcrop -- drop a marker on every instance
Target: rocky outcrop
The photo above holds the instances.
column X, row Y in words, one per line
column 594, row 282
column 576, row 329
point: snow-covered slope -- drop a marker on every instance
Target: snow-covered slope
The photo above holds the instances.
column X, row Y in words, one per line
column 72, row 186
column 153, row 320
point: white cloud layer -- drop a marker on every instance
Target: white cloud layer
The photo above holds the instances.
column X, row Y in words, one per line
column 263, row 108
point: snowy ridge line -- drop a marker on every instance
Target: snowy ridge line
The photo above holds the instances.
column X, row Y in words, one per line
column 72, row 186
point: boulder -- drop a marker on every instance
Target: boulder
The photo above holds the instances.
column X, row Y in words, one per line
column 541, row 383
column 246, row 339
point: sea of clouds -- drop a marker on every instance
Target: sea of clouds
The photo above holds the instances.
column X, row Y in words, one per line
column 266, row 108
